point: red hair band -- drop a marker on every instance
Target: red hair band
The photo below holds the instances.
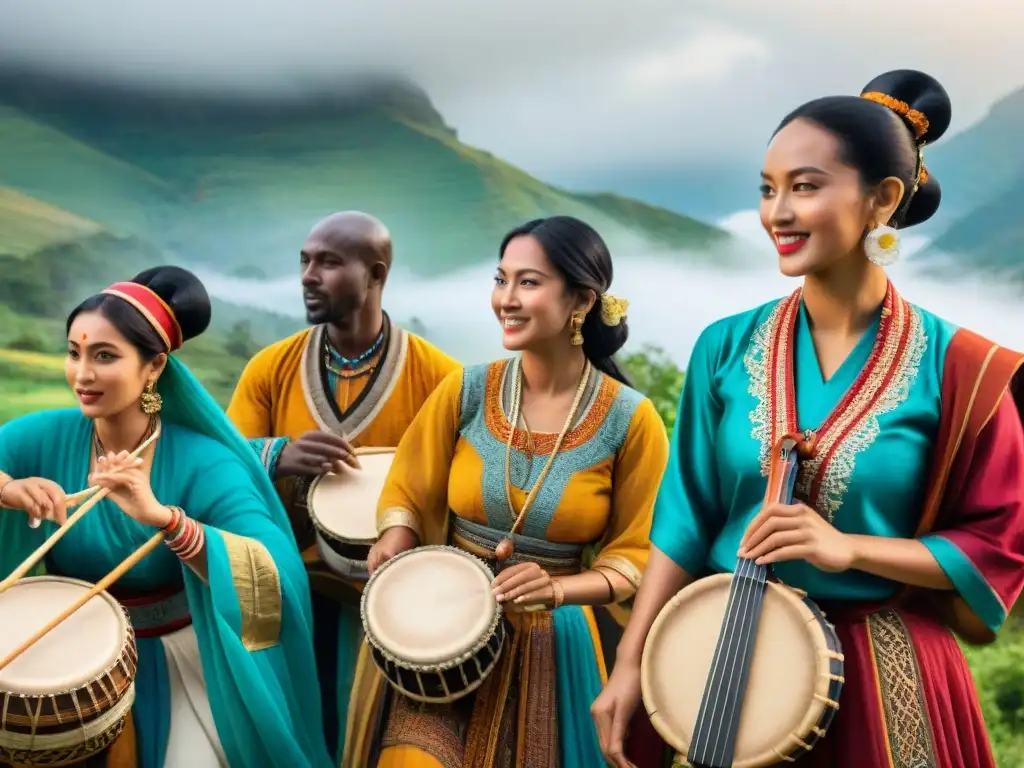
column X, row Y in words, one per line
column 153, row 308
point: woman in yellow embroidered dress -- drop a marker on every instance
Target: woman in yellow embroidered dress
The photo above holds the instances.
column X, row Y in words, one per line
column 583, row 463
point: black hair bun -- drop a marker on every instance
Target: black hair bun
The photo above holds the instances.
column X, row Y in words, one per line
column 921, row 92
column 924, row 203
column 184, row 293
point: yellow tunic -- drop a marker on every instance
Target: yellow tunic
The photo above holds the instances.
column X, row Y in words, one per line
column 284, row 392
column 449, row 473
column 280, row 394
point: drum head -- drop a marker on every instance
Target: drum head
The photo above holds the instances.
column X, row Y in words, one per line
column 79, row 649
column 787, row 669
column 430, row 605
column 345, row 504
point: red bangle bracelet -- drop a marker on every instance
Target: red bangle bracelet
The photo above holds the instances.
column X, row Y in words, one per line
column 176, row 515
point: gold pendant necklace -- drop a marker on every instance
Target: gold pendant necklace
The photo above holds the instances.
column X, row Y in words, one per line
column 506, row 547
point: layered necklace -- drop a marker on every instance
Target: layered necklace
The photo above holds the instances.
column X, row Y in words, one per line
column 351, row 367
column 506, row 547
column 101, row 451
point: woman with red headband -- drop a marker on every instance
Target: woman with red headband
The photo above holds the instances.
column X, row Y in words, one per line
column 909, row 519
column 221, row 613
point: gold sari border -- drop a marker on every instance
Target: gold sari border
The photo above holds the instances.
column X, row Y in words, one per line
column 622, row 566
column 397, row 516
column 258, row 588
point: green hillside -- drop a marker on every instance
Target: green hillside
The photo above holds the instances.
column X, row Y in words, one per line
column 984, row 161
column 28, row 224
column 238, row 185
column 53, row 167
column 990, row 239
column 982, row 175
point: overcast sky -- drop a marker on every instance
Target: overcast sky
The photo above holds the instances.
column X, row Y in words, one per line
column 560, row 87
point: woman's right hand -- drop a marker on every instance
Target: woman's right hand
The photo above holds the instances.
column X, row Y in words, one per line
column 392, row 542
column 613, row 710
column 40, row 498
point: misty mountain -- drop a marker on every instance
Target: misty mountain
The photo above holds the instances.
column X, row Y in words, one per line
column 236, row 182
column 982, row 175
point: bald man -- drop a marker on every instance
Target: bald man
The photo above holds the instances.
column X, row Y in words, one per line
column 355, row 379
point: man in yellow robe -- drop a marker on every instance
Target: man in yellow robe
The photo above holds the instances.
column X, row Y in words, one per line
column 355, row 379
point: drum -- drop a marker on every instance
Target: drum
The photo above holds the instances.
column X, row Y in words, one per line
column 795, row 677
column 432, row 623
column 343, row 508
column 66, row 698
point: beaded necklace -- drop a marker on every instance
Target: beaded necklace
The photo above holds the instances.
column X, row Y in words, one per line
column 350, row 367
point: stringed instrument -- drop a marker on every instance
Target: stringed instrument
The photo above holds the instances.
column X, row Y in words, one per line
column 739, row 669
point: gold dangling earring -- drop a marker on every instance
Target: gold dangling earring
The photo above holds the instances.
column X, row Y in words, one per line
column 576, row 324
column 151, row 400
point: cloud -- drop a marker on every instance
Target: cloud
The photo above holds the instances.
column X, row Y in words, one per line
column 561, row 87
column 671, row 301
column 713, row 53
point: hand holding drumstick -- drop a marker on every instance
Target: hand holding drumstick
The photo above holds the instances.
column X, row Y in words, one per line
column 41, row 499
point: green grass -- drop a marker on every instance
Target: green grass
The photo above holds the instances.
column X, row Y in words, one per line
column 28, row 224
column 33, row 381
column 998, row 671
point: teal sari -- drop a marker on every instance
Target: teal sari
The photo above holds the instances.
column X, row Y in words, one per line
column 252, row 620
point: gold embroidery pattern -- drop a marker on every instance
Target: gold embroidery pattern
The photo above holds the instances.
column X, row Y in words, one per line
column 544, row 442
column 438, row 730
column 757, row 362
column 396, row 516
column 823, row 479
column 856, row 428
column 258, row 588
column 899, row 678
column 620, row 565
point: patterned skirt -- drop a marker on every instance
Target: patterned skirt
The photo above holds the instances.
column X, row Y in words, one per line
column 909, row 700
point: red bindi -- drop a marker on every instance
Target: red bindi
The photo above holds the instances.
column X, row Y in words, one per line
column 84, row 337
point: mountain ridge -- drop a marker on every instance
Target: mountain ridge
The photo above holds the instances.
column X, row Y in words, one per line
column 238, row 182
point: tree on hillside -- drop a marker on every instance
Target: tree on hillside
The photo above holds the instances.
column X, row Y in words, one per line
column 654, row 374
column 239, row 341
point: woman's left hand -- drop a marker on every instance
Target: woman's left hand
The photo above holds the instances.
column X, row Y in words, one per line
column 129, row 488
column 782, row 532
column 525, row 585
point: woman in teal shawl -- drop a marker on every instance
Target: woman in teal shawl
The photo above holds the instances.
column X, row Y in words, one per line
column 226, row 674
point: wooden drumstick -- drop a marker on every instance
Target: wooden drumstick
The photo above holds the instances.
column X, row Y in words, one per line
column 105, row 582
column 46, row 546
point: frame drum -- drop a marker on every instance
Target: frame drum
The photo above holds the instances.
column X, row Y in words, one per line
column 343, row 508
column 64, row 699
column 795, row 675
column 432, row 624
